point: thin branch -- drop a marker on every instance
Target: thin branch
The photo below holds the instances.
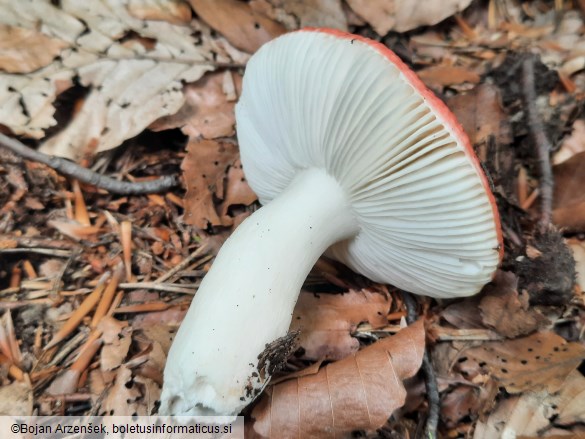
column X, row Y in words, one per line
column 541, row 141
column 165, row 287
column 433, row 396
column 88, row 176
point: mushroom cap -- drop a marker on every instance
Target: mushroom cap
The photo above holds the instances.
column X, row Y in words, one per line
column 321, row 98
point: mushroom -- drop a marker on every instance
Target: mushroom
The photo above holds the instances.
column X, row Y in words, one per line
column 352, row 156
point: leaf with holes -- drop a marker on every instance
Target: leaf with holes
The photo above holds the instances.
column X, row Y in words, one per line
column 539, row 361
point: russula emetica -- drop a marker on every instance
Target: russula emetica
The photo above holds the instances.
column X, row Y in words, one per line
column 352, row 156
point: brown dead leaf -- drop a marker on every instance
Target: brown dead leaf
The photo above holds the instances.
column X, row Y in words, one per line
column 16, row 399
column 405, row 15
column 117, row 337
column 208, row 111
column 440, row 76
column 506, row 310
column 237, row 191
column 122, row 396
column 467, row 401
column 569, row 197
column 539, row 361
column 241, row 25
column 481, row 113
column 26, row 50
column 359, row 392
column 534, row 412
column 205, row 169
column 313, row 13
column 327, row 320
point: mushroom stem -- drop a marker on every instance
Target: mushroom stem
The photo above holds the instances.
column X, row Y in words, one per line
column 246, row 300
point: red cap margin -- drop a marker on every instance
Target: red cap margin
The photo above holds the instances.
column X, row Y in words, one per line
column 439, row 108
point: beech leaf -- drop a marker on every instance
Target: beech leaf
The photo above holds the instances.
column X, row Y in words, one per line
column 132, row 81
column 325, row 321
column 356, row 393
column 539, row 361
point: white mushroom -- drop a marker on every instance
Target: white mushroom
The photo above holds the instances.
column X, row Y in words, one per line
column 351, row 155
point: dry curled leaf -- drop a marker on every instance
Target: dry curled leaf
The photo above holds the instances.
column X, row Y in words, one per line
column 539, row 361
column 325, row 321
column 133, row 69
column 405, row 15
column 359, row 392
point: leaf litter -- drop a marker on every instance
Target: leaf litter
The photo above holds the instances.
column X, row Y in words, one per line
column 80, row 80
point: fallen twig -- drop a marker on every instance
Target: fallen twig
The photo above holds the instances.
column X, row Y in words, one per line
column 541, row 141
column 166, row 287
column 88, row 176
column 433, row 397
column 40, row 251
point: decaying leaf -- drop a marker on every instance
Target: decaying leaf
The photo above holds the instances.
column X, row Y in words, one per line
column 532, row 412
column 506, row 310
column 238, row 22
column 208, row 111
column 26, row 50
column 467, row 401
column 539, row 361
column 131, row 82
column 313, row 13
column 405, row 15
column 359, row 392
column 481, row 113
column 499, row 307
column 204, row 170
column 117, row 338
column 122, row 397
column 325, row 321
